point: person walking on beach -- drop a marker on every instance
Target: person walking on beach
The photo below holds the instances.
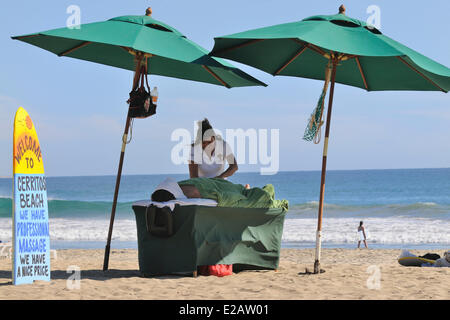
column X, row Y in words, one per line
column 362, row 235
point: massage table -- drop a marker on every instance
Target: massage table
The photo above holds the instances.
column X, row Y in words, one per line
column 176, row 237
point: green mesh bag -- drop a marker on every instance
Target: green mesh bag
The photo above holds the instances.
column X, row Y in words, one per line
column 312, row 131
column 315, row 120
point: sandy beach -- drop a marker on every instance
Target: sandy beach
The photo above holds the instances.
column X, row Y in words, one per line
column 349, row 274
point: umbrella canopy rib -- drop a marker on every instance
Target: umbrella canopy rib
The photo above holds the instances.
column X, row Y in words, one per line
column 290, row 60
column 66, row 52
column 28, row 36
column 421, row 74
column 312, row 47
column 362, row 73
column 217, row 77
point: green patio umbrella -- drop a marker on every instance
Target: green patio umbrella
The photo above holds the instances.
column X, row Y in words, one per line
column 334, row 48
column 146, row 46
column 114, row 42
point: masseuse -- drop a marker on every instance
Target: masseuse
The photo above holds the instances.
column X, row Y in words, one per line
column 209, row 153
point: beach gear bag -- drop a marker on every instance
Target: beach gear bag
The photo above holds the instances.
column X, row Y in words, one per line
column 140, row 101
column 218, row 270
column 431, row 256
column 159, row 221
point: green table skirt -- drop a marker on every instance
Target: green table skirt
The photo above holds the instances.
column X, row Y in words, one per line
column 248, row 238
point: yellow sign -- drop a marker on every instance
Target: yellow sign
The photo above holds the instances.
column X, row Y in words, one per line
column 26, row 149
column 31, row 237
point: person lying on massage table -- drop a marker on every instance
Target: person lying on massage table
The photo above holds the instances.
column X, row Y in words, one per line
column 226, row 193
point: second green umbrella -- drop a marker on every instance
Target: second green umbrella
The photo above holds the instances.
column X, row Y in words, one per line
column 334, row 48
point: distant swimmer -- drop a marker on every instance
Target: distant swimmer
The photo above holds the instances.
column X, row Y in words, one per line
column 362, row 235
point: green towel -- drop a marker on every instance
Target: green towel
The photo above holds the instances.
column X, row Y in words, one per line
column 228, row 194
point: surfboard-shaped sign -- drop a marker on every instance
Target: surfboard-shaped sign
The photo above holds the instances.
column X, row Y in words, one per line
column 31, row 237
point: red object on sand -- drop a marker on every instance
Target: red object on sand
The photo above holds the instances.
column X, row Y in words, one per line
column 218, row 270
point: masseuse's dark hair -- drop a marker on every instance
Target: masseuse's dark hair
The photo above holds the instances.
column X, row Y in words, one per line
column 205, row 126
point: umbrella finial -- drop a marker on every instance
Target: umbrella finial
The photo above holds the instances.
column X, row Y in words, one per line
column 148, row 12
column 342, row 9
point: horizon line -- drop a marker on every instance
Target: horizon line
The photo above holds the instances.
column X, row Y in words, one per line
column 280, row 171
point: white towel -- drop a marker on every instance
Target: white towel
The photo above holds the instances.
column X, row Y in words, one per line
column 361, row 236
column 182, row 202
column 169, row 184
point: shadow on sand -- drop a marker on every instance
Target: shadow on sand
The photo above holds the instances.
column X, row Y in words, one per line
column 99, row 275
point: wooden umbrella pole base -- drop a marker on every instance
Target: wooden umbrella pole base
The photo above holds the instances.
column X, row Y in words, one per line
column 318, row 249
column 324, row 170
column 116, row 194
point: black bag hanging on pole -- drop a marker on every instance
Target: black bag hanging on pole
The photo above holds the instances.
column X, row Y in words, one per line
column 141, row 102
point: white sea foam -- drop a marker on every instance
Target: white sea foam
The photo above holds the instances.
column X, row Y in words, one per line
column 81, row 229
column 379, row 230
column 431, row 204
column 301, row 230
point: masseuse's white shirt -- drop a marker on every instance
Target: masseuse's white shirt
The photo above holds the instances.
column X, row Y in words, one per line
column 210, row 167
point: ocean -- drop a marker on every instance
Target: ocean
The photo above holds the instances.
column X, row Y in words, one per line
column 401, row 208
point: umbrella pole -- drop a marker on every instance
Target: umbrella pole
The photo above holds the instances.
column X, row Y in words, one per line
column 116, row 193
column 324, row 169
column 119, row 171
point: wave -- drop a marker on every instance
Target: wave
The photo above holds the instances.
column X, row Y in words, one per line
column 102, row 209
column 315, row 204
column 418, row 209
column 417, row 231
column 73, row 208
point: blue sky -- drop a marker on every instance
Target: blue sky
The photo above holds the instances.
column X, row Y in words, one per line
column 79, row 107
